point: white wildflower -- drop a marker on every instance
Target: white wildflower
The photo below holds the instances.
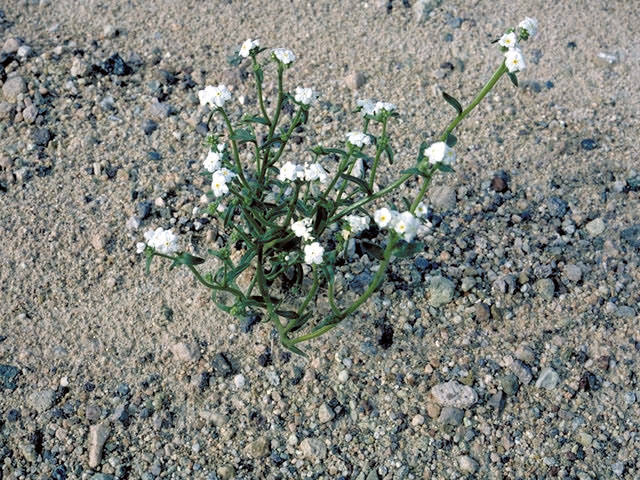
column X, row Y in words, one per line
column 358, row 139
column 357, row 223
column 163, row 241
column 367, row 106
column 514, row 60
column 509, row 40
column 345, row 234
column 383, row 217
column 315, row 172
column 290, row 172
column 219, row 184
column 421, row 210
column 306, row 96
column 440, row 152
column 247, row 46
column 285, row 56
column 140, row 246
column 228, row 174
column 530, row 25
column 383, row 106
column 212, row 162
column 313, row 253
column 406, row 225
column 302, row 228
column 214, row 96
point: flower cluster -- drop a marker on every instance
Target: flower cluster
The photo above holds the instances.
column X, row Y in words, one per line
column 440, row 152
column 371, row 107
column 305, row 96
column 405, row 224
column 214, row 96
column 248, row 46
column 290, row 172
column 509, row 43
column 162, row 241
column 358, row 139
column 286, row 57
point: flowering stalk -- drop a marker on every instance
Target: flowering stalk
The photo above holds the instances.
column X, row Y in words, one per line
column 288, row 221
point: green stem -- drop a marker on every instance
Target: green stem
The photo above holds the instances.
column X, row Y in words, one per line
column 425, row 185
column 496, row 76
column 383, row 138
column 292, row 206
column 259, row 88
column 265, row 293
column 274, row 123
column 234, row 145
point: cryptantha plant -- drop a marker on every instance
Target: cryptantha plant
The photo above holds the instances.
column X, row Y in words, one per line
column 285, row 224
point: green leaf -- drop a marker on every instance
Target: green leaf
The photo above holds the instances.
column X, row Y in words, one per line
column 389, row 152
column 290, row 314
column 423, row 146
column 451, row 140
column 513, row 78
column 243, row 135
column 414, row 171
column 229, row 215
column 255, row 119
column 321, row 219
column 147, row 265
column 186, row 259
column 270, row 142
column 445, row 168
column 407, row 203
column 259, row 74
column 404, row 249
column 294, row 349
column 373, row 250
column 364, row 186
column 453, row 102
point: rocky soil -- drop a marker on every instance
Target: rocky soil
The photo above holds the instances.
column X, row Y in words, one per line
column 508, row 349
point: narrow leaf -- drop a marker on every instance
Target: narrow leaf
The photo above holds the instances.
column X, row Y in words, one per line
column 453, row 102
column 513, row 78
column 374, row 250
column 294, row 349
column 242, row 135
column 451, row 140
column 404, row 249
column 445, row 168
column 389, row 152
column 147, row 265
column 255, row 119
column 413, row 171
column 364, row 186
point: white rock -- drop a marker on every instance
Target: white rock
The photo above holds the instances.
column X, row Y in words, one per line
column 24, row 51
column 467, row 464
column 42, row 400
column 98, row 435
column 239, row 381
column 313, row 448
column 186, row 352
column 325, row 414
column 454, row 394
column 595, row 227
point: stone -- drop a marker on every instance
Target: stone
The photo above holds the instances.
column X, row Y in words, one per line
column 98, row 242
column 41, row 137
column 548, row 379
column 572, row 272
column 149, row 126
column 422, row 9
column 509, row 384
column 557, row 207
column 595, row 227
column 221, row 365
column 454, row 394
column 545, row 288
column 526, row 354
column 443, row 197
column 25, row 51
column 42, row 400
column 417, row 420
column 226, row 472
column 108, row 104
column 451, row 416
column 313, row 449
column 483, row 313
column 522, row 371
column 6, row 110
column 588, row 144
column 440, row 292
column 497, row 401
column 258, row 448
column 499, row 184
column 159, row 110
column 467, row 464
column 98, row 435
column 618, row 468
column 80, row 68
column 239, row 381
column 325, row 413
column 8, row 375
column 186, row 352
column 11, row 45
column 92, row 412
column 468, row 283
column 631, row 235
column 30, row 114
column 354, row 80
column 13, row 87
column 217, row 418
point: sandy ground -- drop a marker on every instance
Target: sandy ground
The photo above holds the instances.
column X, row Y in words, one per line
column 76, row 305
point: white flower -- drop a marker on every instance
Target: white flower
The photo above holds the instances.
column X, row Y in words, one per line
column 284, row 55
column 358, row 168
column 163, row 241
column 530, row 25
column 220, row 147
column 291, row 172
column 514, row 61
column 140, row 246
column 509, row 40
column 306, row 96
column 313, row 253
column 367, row 106
column 219, row 184
column 358, row 224
column 212, row 162
column 227, row 174
column 440, row 152
column 315, row 172
column 406, row 225
column 214, row 96
column 247, row 46
column 421, row 210
column 358, row 139
column 302, row 228
column 386, row 106
column 383, row 217
column 345, row 234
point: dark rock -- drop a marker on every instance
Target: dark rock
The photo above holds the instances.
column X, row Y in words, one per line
column 497, row 401
column 221, row 365
column 483, row 313
column 572, row 45
column 143, row 209
column 451, row 416
column 509, row 384
column 165, row 77
column 13, row 415
column 155, row 156
column 557, row 207
column 588, row 382
column 41, row 137
column 499, row 184
column 149, row 126
column 265, row 359
column 386, row 336
column 59, row 473
column 202, row 129
column 631, row 235
column 588, row 144
column 297, row 375
column 249, row 322
column 123, row 390
column 115, row 65
column 8, row 374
